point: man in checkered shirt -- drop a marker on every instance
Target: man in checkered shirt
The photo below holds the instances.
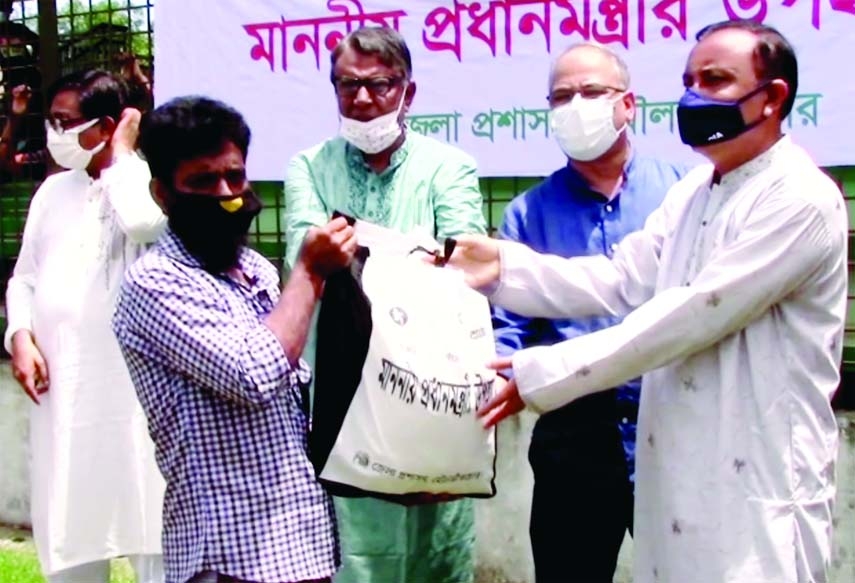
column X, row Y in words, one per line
column 214, row 352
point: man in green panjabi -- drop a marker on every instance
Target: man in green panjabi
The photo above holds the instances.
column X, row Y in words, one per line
column 378, row 171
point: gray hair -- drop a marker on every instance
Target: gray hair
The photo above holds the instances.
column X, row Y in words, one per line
column 620, row 65
column 385, row 43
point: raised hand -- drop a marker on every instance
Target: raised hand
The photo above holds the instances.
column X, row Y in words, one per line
column 329, row 248
column 124, row 139
column 478, row 257
column 21, row 95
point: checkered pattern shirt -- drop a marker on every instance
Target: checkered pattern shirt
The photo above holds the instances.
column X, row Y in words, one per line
column 228, row 417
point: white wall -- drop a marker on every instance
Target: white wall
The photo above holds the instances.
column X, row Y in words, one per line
column 14, row 472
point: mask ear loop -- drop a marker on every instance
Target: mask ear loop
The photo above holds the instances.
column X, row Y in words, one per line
column 617, row 100
column 78, row 129
column 756, row 91
column 403, row 122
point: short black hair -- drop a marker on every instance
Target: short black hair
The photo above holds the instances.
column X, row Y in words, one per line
column 186, row 128
column 101, row 94
column 774, row 56
column 385, row 43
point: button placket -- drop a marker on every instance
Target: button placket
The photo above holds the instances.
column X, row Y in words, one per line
column 699, row 250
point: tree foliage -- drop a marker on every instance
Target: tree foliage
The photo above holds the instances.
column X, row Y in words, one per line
column 76, row 18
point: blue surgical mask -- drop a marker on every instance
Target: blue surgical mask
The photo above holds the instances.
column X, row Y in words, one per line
column 703, row 120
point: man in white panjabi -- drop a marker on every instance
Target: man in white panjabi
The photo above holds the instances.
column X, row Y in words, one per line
column 96, row 492
column 736, row 294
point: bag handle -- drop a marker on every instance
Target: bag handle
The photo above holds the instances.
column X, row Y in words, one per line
column 439, row 259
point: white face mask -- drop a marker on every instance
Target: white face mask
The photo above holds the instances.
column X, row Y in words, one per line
column 375, row 135
column 584, row 128
column 66, row 149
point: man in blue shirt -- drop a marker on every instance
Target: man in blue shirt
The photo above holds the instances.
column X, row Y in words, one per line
column 583, row 455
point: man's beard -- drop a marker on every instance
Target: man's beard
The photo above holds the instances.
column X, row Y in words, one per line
column 210, row 232
column 217, row 252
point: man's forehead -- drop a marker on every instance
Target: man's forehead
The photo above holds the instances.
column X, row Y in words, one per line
column 229, row 158
column 728, row 49
column 65, row 102
column 352, row 63
column 585, row 65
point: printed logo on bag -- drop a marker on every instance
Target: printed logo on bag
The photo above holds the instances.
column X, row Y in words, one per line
column 477, row 333
column 362, row 459
column 399, row 316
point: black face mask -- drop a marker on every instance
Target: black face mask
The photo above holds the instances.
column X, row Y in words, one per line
column 213, row 229
column 704, row 121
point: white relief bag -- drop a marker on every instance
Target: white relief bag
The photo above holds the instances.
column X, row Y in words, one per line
column 400, row 372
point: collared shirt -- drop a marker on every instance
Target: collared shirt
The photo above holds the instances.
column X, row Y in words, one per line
column 563, row 216
column 227, row 415
column 95, row 489
column 738, row 298
column 428, row 186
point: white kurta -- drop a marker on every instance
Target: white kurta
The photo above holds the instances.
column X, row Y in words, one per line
column 96, row 491
column 741, row 288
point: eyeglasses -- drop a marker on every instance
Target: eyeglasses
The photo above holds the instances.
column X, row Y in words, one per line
column 63, row 125
column 587, row 91
column 376, row 86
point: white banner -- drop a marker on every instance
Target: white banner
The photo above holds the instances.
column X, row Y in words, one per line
column 481, row 68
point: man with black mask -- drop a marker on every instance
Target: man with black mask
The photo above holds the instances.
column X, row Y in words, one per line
column 214, row 349
column 736, row 295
